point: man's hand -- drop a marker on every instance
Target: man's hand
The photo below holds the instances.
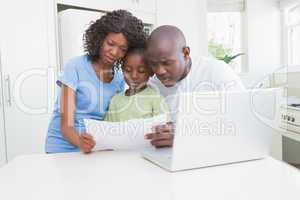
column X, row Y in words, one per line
column 86, row 143
column 162, row 135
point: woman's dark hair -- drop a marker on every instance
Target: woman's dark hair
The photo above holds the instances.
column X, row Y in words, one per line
column 119, row 21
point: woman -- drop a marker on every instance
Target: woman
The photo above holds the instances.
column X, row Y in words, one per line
column 88, row 82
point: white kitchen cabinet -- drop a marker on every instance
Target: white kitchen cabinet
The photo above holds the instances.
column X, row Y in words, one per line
column 2, row 131
column 148, row 6
column 104, row 5
column 2, row 140
column 143, row 9
column 25, row 72
column 72, row 25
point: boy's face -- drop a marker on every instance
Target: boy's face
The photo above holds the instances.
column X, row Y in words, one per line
column 135, row 72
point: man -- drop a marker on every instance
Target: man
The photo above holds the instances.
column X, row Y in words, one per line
column 175, row 72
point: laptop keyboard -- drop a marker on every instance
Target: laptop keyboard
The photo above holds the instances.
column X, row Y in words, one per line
column 164, row 153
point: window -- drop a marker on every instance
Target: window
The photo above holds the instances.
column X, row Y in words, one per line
column 148, row 28
column 225, row 32
column 291, row 32
column 293, row 26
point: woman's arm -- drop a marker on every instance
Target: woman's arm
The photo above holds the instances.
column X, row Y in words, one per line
column 111, row 115
column 68, row 106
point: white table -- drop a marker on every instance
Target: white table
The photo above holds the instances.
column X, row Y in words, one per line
column 125, row 175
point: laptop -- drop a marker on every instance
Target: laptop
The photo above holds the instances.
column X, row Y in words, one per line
column 217, row 128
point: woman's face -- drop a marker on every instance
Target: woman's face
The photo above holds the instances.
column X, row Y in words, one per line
column 114, row 47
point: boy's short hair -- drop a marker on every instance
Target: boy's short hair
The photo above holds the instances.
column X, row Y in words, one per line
column 140, row 51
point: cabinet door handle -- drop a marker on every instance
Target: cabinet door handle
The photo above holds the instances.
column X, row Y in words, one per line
column 1, row 103
column 1, row 87
column 7, row 90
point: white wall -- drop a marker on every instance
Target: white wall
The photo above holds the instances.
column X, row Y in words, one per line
column 190, row 17
column 263, row 48
column 288, row 3
column 263, row 36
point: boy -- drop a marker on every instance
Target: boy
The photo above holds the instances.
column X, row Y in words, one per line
column 139, row 100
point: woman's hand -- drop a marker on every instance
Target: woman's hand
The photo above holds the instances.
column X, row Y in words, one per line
column 86, row 143
column 68, row 107
column 162, row 135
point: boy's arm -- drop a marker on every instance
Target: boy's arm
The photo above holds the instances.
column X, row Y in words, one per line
column 109, row 116
column 160, row 106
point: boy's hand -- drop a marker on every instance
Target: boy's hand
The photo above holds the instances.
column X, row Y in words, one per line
column 162, row 135
column 86, row 143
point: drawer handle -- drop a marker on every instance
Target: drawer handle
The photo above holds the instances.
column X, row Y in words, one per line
column 7, row 90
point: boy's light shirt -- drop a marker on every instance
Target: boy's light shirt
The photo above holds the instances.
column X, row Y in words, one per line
column 145, row 104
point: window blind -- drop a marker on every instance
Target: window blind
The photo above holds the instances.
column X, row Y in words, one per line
column 288, row 4
column 225, row 5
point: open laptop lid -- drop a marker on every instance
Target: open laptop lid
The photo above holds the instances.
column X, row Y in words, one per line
column 216, row 127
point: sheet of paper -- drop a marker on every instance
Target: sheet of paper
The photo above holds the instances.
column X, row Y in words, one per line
column 122, row 135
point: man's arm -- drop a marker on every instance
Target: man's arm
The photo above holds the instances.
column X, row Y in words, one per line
column 162, row 135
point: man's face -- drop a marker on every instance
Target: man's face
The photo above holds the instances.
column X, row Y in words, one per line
column 167, row 62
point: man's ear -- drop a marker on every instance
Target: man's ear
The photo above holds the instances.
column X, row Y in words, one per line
column 186, row 52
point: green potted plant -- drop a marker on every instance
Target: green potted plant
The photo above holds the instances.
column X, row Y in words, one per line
column 222, row 53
